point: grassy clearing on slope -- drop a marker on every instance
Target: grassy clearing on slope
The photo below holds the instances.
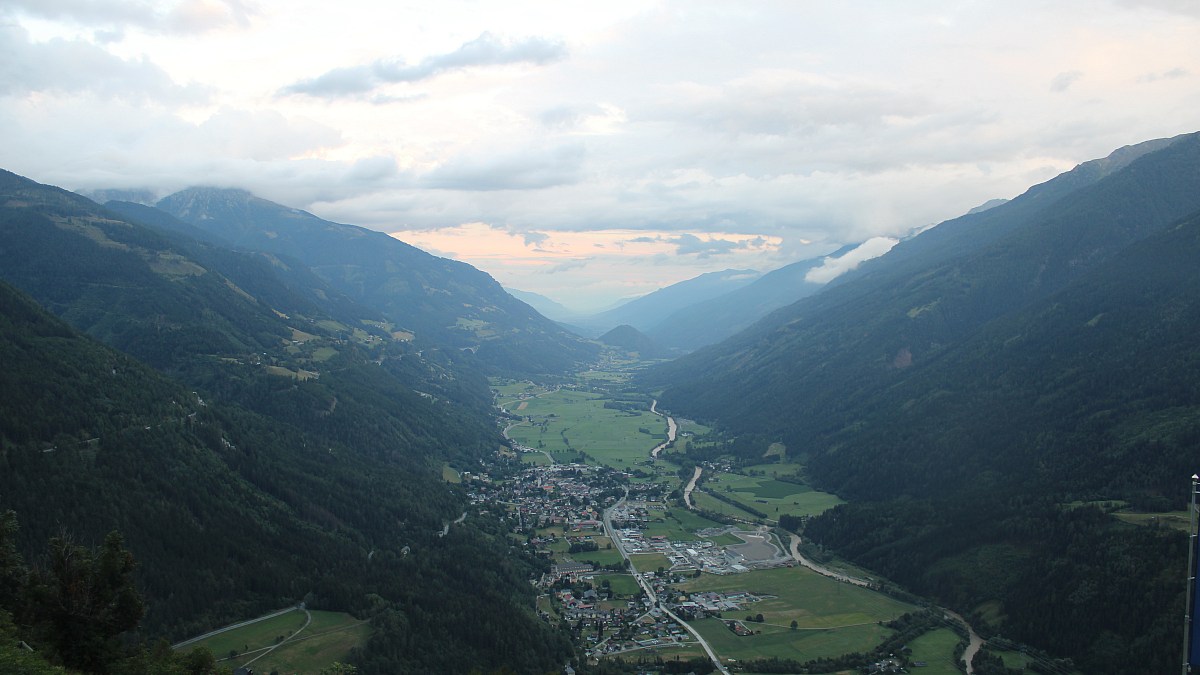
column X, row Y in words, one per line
column 1177, row 520
column 329, row 638
column 253, row 636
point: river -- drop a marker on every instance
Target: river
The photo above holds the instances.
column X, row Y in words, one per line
column 672, row 429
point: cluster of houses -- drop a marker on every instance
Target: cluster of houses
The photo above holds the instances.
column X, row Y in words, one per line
column 570, row 495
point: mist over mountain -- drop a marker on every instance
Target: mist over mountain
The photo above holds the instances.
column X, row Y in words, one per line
column 545, row 306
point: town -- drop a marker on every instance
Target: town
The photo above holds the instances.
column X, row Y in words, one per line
column 590, row 524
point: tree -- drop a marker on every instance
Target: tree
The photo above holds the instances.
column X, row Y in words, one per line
column 12, row 568
column 81, row 600
column 795, row 625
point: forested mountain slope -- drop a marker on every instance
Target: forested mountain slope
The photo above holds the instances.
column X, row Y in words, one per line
column 964, row 392
column 230, row 514
column 784, row 375
column 295, row 456
column 442, row 302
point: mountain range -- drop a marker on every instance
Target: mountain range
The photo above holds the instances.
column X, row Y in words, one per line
column 263, row 402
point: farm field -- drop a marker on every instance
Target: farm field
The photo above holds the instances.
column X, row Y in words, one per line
column 771, row 496
column 601, row 557
column 622, row 585
column 705, row 501
column 566, row 423
column 813, row 601
column 936, row 649
column 649, row 562
column 784, row 643
column 681, row 525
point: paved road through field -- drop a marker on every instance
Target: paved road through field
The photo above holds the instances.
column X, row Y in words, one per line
column 612, row 533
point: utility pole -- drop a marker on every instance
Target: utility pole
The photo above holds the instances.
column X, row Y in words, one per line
column 1190, row 599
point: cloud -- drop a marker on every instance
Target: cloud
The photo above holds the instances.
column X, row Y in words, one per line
column 181, row 17
column 1172, row 74
column 711, row 245
column 568, row 266
column 1063, row 81
column 599, row 118
column 61, row 66
column 485, row 50
column 1184, row 7
column 535, row 238
column 833, row 268
column 509, row 169
column 786, row 102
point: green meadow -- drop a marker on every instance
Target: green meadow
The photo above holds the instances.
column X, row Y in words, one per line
column 784, row 643
column 936, row 650
column 566, row 423
column 832, row 618
column 680, row 525
column 328, row 638
column 766, row 494
column 813, row 601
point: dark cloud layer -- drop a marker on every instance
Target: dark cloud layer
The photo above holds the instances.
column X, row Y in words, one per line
column 485, row 50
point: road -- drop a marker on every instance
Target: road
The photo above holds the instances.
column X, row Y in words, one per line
column 649, row 590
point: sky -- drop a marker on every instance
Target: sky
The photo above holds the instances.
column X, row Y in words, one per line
column 594, row 151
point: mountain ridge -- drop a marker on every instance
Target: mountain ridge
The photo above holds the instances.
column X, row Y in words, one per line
column 440, row 301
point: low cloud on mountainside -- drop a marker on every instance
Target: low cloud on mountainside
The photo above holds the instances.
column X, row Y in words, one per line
column 833, row 268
